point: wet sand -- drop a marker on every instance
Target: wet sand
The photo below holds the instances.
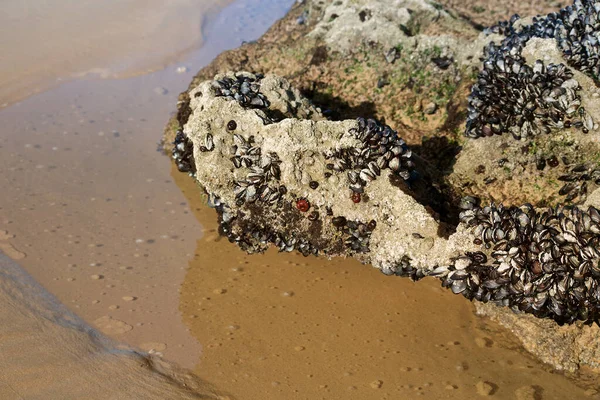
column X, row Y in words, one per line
column 44, row 43
column 282, row 326
column 100, row 218
column 50, row 353
column 89, row 207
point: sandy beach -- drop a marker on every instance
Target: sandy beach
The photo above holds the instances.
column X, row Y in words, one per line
column 138, row 281
column 46, row 43
column 50, row 353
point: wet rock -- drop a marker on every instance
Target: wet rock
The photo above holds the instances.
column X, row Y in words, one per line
column 263, row 155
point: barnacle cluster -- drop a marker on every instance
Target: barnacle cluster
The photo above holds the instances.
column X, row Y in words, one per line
column 511, row 96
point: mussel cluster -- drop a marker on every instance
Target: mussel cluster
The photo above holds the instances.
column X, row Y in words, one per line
column 511, row 96
column 263, row 171
column 380, row 148
column 579, row 35
column 575, row 181
column 252, row 236
column 183, row 153
column 358, row 233
column 405, row 269
column 245, row 89
column 546, row 262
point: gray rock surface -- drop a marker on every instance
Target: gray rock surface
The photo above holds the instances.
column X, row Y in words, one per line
column 417, row 25
column 300, row 147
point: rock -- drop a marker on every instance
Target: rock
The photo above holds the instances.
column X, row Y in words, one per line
column 566, row 348
column 507, row 163
column 279, row 153
column 485, row 388
column 376, row 384
column 430, row 108
column 526, row 393
column 347, row 27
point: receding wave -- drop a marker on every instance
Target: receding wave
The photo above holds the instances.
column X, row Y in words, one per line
column 48, row 352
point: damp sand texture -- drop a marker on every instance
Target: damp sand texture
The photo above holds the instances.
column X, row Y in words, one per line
column 44, row 43
column 283, row 326
column 49, row 353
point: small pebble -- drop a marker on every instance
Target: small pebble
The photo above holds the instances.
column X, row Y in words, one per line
column 430, row 108
column 113, row 307
column 483, row 342
column 484, row 388
column 97, row 277
column 525, row 393
column 376, row 384
column 129, row 298
column 220, row 291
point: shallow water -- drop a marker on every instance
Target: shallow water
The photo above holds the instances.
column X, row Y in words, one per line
column 88, row 206
column 44, row 43
column 101, row 219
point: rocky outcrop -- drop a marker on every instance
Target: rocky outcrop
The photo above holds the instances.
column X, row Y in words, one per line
column 294, row 168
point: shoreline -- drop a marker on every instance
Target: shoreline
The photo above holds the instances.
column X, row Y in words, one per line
column 40, row 336
column 112, row 46
column 112, row 236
